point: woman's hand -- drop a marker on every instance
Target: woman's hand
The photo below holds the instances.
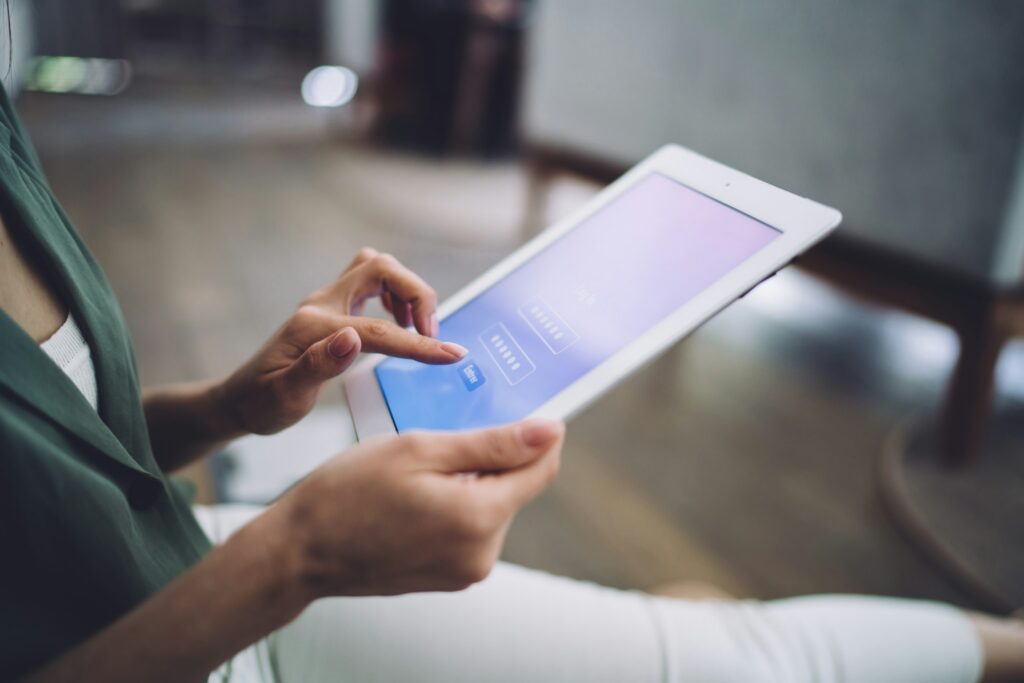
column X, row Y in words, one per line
column 279, row 385
column 422, row 512
column 418, row 512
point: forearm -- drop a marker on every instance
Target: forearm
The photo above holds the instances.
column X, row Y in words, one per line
column 239, row 593
column 187, row 421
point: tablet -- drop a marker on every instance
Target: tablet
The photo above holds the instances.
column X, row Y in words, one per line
column 594, row 297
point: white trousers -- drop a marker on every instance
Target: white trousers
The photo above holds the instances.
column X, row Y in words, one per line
column 523, row 625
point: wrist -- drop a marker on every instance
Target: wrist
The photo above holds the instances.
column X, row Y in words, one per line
column 223, row 419
column 278, row 563
column 315, row 570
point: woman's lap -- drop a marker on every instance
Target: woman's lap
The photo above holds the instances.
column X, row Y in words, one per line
column 518, row 625
column 521, row 624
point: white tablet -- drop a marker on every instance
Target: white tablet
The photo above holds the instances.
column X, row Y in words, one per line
column 591, row 299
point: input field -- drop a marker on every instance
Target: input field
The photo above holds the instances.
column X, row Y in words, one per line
column 506, row 353
column 548, row 325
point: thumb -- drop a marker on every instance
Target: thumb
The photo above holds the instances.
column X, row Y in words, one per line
column 499, row 448
column 323, row 360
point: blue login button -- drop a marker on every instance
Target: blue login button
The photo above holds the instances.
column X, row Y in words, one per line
column 471, row 375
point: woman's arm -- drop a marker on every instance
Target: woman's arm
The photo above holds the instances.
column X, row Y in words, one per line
column 279, row 385
column 237, row 594
column 391, row 516
column 188, row 421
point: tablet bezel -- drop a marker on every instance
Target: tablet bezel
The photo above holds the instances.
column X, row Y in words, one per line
column 801, row 221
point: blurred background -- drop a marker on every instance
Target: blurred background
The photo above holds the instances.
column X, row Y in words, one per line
column 854, row 425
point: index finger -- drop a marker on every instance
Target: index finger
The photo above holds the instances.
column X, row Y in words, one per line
column 383, row 336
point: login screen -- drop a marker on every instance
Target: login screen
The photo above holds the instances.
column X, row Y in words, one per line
column 572, row 306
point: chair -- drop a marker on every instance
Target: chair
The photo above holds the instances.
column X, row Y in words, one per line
column 909, row 117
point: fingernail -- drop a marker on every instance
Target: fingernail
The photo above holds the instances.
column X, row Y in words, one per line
column 343, row 343
column 454, row 349
column 435, row 326
column 540, row 431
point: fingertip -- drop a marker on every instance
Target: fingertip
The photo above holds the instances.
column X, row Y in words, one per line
column 540, row 432
column 456, row 351
column 344, row 344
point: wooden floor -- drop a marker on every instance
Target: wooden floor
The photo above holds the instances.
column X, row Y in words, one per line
column 746, row 457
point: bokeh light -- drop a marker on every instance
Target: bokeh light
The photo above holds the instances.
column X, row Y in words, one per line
column 79, row 75
column 329, row 86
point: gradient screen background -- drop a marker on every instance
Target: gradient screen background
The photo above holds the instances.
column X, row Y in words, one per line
column 573, row 305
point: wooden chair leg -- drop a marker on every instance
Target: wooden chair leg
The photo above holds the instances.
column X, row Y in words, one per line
column 538, row 186
column 969, row 397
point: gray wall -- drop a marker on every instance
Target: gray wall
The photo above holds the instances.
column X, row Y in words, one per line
column 906, row 115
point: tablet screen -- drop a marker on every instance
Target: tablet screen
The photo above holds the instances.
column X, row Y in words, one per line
column 570, row 307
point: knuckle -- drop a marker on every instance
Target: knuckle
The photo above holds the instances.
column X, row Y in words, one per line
column 495, row 444
column 385, row 262
column 378, row 329
column 365, row 254
column 428, row 297
column 312, row 362
column 305, row 315
column 415, row 443
column 425, row 345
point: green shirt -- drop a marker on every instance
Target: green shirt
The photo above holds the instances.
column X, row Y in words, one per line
column 89, row 525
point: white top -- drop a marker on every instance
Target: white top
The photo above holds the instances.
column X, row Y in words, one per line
column 67, row 348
